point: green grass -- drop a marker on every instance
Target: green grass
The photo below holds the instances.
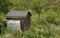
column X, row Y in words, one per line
column 38, row 30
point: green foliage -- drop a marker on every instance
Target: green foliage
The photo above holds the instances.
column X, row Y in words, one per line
column 2, row 23
column 49, row 16
column 5, row 6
